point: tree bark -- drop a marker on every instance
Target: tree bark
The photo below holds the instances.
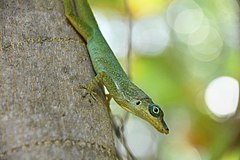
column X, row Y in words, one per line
column 43, row 112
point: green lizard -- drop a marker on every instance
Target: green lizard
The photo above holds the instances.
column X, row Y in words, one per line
column 109, row 71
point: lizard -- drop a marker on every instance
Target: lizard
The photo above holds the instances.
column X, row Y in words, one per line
column 108, row 70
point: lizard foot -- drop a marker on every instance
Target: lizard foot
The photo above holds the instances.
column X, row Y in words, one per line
column 89, row 92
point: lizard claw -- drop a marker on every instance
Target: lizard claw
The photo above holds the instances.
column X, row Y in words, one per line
column 90, row 92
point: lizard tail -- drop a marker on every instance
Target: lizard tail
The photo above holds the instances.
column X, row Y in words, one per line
column 81, row 17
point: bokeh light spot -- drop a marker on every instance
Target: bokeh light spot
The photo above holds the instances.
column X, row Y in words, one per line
column 140, row 138
column 150, row 35
column 188, row 21
column 199, row 35
column 209, row 48
column 114, row 30
column 222, row 96
column 180, row 8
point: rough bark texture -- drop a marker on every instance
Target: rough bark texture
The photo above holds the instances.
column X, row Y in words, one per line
column 43, row 62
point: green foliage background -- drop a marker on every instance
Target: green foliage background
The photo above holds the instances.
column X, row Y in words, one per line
column 177, row 80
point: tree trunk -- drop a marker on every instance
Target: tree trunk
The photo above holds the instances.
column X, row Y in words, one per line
column 43, row 112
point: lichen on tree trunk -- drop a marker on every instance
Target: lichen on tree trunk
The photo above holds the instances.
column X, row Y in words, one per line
column 43, row 112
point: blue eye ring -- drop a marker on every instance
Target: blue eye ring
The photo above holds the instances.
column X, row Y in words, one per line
column 154, row 110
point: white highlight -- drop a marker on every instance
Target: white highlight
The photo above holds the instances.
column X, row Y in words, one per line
column 222, row 96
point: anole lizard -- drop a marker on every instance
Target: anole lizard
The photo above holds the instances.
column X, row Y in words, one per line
column 109, row 71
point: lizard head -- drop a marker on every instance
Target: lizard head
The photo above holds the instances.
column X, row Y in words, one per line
column 148, row 111
column 152, row 113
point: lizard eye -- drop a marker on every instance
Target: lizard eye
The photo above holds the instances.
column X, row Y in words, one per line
column 138, row 102
column 154, row 110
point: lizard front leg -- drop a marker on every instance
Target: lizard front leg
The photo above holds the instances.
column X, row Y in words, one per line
column 90, row 87
column 100, row 78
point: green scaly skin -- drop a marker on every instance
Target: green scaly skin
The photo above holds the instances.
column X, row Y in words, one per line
column 109, row 71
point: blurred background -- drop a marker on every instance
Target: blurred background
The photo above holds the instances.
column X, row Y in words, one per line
column 186, row 57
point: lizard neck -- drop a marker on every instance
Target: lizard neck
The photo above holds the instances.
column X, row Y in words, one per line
column 129, row 93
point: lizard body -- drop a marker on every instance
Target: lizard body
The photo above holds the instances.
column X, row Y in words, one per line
column 109, row 71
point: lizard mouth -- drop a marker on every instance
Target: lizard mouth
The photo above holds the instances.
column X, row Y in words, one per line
column 165, row 131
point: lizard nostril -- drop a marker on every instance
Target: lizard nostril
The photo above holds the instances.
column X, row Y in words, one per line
column 138, row 103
